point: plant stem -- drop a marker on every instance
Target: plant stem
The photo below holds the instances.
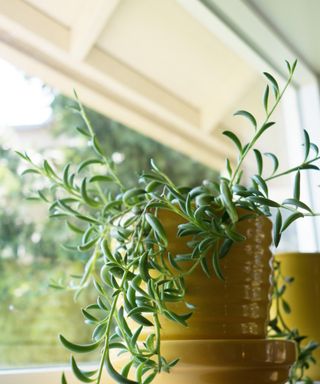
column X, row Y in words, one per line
column 297, row 168
column 258, row 132
column 158, row 339
column 108, row 328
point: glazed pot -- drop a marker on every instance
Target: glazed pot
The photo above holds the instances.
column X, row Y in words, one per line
column 224, row 362
column 228, row 361
column 236, row 308
column 225, row 342
column 303, row 295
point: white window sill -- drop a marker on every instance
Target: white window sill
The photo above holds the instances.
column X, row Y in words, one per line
column 45, row 375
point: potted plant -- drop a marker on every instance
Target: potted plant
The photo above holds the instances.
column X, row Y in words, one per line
column 162, row 254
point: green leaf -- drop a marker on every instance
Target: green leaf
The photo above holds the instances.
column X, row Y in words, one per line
column 106, row 251
column 233, row 235
column 83, row 131
column 88, row 316
column 48, row 169
column 247, row 115
column 144, row 268
column 88, row 245
column 264, row 201
column 141, row 320
column 275, row 161
column 309, row 166
column 306, row 144
column 288, row 66
column 274, row 84
column 142, row 309
column 150, row 378
column 266, row 98
column 126, row 369
column 136, row 335
column 88, row 162
column 277, row 228
column 74, row 228
column 315, row 148
column 81, row 375
column 117, row 376
column 88, row 219
column 123, row 322
column 157, row 227
column 63, row 379
column 216, row 265
column 227, row 200
column 96, row 146
column 84, row 194
column 178, row 318
column 234, row 138
column 23, row 156
column 153, row 185
column 286, row 306
column 262, row 184
column 77, row 347
column 291, row 219
column 65, row 175
column 101, row 178
column 204, row 266
column 30, row 170
column 130, row 194
column 297, row 203
column 225, row 248
column 228, row 167
column 293, row 66
column 259, row 161
column 172, row 262
column 99, row 331
column 43, row 197
column 264, row 128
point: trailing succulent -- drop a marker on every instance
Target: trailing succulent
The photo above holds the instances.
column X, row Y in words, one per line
column 278, row 328
column 134, row 275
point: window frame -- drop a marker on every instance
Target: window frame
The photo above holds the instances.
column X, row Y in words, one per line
column 227, row 20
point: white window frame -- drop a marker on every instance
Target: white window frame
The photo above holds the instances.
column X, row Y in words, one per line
column 238, row 26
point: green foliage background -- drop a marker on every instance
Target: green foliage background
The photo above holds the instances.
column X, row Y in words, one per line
column 32, row 314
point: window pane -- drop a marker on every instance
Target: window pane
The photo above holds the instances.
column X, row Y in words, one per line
column 35, row 251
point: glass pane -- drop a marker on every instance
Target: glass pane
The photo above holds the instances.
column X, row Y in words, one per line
column 33, row 250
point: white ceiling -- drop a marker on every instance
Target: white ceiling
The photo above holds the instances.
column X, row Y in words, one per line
column 149, row 64
column 185, row 59
column 53, row 8
column 170, row 69
column 298, row 23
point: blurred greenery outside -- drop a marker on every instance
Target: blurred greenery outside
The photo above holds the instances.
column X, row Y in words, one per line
column 31, row 252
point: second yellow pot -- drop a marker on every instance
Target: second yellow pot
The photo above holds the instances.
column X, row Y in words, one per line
column 303, row 297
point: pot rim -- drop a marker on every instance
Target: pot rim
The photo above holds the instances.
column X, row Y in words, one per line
column 224, row 353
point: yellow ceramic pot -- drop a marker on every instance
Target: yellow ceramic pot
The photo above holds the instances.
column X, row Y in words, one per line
column 304, row 297
column 226, row 361
column 237, row 308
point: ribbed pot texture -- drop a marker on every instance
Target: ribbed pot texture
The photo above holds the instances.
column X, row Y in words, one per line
column 236, row 308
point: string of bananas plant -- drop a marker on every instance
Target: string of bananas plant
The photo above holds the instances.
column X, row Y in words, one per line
column 278, row 328
column 134, row 275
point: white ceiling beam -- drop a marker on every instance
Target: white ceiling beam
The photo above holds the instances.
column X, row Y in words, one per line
column 90, row 23
column 26, row 28
column 23, row 21
column 202, row 148
column 39, row 45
